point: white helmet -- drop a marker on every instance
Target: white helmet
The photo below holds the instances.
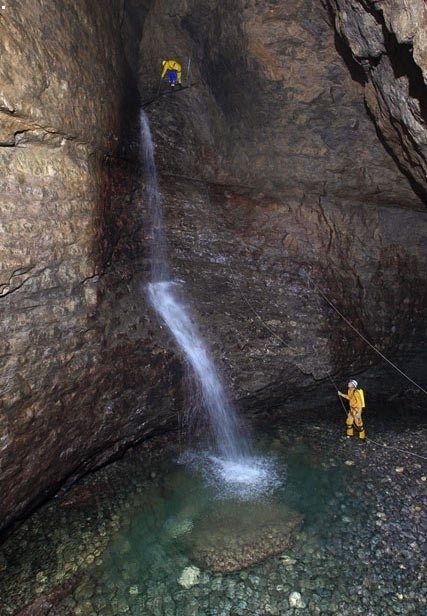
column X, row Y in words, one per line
column 353, row 382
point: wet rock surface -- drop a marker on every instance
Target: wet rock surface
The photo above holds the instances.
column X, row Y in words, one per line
column 359, row 550
column 47, row 603
column 255, row 264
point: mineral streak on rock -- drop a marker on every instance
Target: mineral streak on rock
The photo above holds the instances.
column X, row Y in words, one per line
column 46, row 604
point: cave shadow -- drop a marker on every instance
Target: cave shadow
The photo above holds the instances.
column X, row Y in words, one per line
column 404, row 65
column 221, row 47
column 355, row 69
column 120, row 227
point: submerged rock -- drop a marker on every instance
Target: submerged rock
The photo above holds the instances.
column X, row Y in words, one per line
column 237, row 537
column 287, row 560
column 176, row 527
column 46, row 603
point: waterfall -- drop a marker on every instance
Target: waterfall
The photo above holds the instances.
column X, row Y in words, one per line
column 229, row 442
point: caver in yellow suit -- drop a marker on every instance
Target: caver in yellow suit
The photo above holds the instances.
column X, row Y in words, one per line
column 173, row 70
column 357, row 403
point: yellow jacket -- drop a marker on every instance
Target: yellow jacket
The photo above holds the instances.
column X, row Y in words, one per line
column 354, row 398
column 172, row 65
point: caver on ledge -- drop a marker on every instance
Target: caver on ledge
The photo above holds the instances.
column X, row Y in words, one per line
column 173, row 71
column 356, row 399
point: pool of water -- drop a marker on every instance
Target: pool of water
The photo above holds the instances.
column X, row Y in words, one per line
column 175, row 532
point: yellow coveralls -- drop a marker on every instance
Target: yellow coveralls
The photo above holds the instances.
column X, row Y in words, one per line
column 355, row 413
column 172, row 65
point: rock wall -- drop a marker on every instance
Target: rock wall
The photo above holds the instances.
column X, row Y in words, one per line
column 388, row 40
column 80, row 377
column 285, row 178
column 273, row 105
column 254, row 264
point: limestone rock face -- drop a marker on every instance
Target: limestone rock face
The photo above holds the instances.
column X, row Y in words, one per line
column 273, row 104
column 79, row 373
column 277, row 187
column 254, row 264
column 389, row 41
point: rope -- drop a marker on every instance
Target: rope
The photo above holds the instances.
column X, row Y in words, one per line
column 336, row 387
column 265, row 324
column 168, row 93
column 364, row 338
column 410, row 453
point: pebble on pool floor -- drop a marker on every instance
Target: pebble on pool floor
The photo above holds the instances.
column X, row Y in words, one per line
column 295, row 600
column 189, row 577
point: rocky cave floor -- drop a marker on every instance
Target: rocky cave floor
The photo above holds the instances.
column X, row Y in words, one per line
column 117, row 542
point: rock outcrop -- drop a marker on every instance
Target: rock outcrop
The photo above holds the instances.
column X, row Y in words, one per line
column 276, row 186
column 388, row 40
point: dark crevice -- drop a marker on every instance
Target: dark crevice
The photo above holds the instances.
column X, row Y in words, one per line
column 226, row 72
column 356, row 70
column 404, row 65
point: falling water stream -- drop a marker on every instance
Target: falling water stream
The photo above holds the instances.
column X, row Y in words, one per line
column 231, row 454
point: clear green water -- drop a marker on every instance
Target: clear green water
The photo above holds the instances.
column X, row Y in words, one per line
column 133, row 528
column 154, row 542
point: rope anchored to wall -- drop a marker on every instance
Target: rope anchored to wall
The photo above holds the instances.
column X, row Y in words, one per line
column 168, row 93
column 315, row 288
column 372, row 346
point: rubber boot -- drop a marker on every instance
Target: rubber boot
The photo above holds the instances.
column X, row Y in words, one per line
column 362, row 434
column 350, row 430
